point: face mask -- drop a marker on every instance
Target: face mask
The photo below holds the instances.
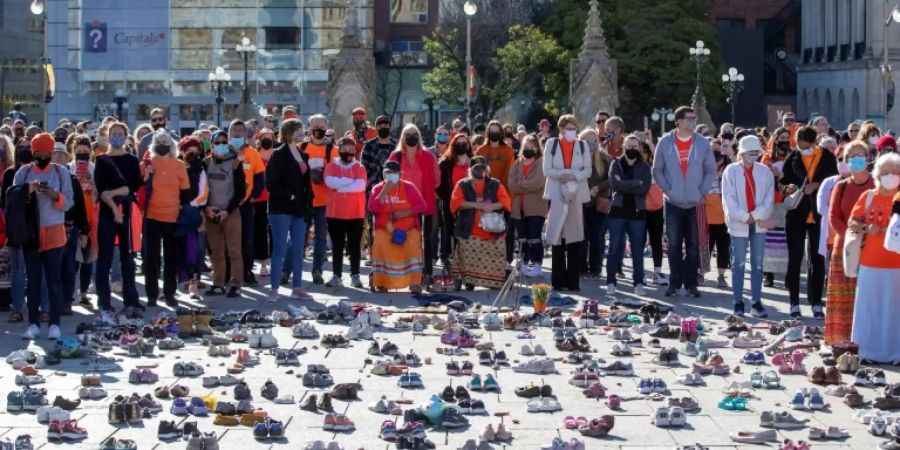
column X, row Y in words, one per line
column 442, row 138
column 24, row 155
column 750, row 157
column 237, row 142
column 392, row 178
column 690, row 124
column 358, row 123
column 592, row 145
column 411, row 140
column 460, row 149
column 570, row 135
column 494, row 136
column 82, row 156
column 784, row 147
column 718, row 155
column 190, row 158
column 116, row 140
column 529, row 153
column 890, row 181
column 318, row 133
column 873, row 140
column 162, row 150
column 728, row 136
column 157, row 126
column 632, row 153
column 478, row 173
column 221, row 149
column 843, row 169
column 384, row 133
column 806, row 151
column 266, row 143
column 346, row 157
column 44, row 160
column 857, row 163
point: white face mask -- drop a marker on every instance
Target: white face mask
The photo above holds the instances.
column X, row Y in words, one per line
column 890, row 181
column 873, row 140
column 750, row 157
column 806, row 151
column 570, row 135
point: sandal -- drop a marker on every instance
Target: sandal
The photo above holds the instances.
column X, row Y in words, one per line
column 15, row 317
column 214, row 291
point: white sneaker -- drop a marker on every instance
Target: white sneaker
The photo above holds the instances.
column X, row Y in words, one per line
column 660, row 279
column 116, row 287
column 611, row 290
column 335, row 281
column 273, row 295
column 639, row 290
column 32, row 332
column 54, row 333
column 355, row 281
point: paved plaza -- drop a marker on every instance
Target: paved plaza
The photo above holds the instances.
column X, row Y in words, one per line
column 709, row 426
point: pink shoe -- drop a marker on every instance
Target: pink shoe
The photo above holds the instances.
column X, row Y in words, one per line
column 797, row 357
column 466, row 341
column 613, row 402
column 569, row 423
column 778, row 359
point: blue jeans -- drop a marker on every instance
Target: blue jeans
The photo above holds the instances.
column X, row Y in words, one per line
column 636, row 231
column 738, row 260
column 528, row 230
column 44, row 269
column 107, row 230
column 18, row 282
column 320, row 241
column 70, row 267
column 282, row 225
column 681, row 231
column 594, row 239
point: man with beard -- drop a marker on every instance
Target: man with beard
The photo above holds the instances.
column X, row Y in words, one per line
column 361, row 132
column 157, row 120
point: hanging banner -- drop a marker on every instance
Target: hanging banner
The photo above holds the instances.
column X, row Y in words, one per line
column 114, row 40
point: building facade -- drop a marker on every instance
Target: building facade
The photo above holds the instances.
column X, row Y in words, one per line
column 841, row 75
column 160, row 53
column 21, row 44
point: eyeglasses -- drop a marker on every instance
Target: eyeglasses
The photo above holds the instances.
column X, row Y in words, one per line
column 158, row 120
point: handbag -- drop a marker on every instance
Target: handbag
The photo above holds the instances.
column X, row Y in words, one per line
column 603, row 205
column 492, row 222
column 793, row 201
column 853, row 243
column 892, row 236
column 398, row 236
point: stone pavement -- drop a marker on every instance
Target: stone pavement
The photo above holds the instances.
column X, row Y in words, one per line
column 633, row 429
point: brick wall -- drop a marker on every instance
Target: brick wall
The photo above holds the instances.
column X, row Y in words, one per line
column 749, row 10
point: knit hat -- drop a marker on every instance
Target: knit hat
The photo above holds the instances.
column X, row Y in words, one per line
column 886, row 141
column 188, row 142
column 42, row 142
column 749, row 144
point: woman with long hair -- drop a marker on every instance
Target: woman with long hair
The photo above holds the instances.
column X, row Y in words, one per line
column 526, row 184
column 453, row 167
column 346, row 210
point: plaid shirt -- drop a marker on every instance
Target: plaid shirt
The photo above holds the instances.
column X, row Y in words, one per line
column 373, row 159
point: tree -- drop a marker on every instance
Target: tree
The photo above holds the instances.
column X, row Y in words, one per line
column 532, row 62
column 650, row 40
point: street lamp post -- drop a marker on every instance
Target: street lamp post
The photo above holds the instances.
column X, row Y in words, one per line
column 120, row 103
column 245, row 49
column 217, row 79
column 662, row 115
column 37, row 8
column 700, row 54
column 470, row 8
column 733, row 81
column 886, row 71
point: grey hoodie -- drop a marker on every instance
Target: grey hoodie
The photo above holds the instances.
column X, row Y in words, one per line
column 684, row 191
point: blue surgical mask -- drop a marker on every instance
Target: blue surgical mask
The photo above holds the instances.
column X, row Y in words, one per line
column 857, row 163
column 237, row 142
column 443, row 138
column 117, row 141
column 221, row 149
column 806, row 151
column 392, row 178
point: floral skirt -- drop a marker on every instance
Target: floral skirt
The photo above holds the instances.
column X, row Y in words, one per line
column 396, row 266
column 480, row 262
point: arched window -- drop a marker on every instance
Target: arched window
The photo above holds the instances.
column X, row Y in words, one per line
column 841, row 113
column 826, row 108
column 854, row 106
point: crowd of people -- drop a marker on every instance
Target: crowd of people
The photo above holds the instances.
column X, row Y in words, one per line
column 82, row 203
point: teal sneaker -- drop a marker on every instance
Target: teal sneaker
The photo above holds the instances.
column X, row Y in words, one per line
column 15, row 401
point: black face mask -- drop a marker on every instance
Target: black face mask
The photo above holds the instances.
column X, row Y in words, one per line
column 411, row 140
column 162, row 150
column 346, row 157
column 632, row 153
column 718, row 156
column 82, row 156
column 157, row 125
column 494, row 136
column 42, row 162
column 478, row 173
column 728, row 136
column 359, row 124
column 784, row 147
column 384, row 133
column 529, row 153
column 460, row 149
column 24, row 155
column 266, row 143
column 191, row 158
column 318, row 133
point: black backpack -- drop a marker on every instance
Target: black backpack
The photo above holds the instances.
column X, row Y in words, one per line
column 22, row 228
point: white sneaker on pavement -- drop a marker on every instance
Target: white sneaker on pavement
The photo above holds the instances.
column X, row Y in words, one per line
column 32, row 332
column 335, row 281
column 611, row 290
column 54, row 333
column 639, row 290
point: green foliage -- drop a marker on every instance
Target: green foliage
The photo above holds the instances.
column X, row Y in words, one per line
column 532, row 62
column 446, row 81
column 650, row 40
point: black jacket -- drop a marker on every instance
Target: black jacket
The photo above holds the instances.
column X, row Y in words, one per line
column 290, row 190
column 76, row 216
column 794, row 172
column 445, row 189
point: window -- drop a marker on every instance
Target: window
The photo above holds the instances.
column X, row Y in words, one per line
column 282, row 37
column 730, row 24
column 409, row 11
column 408, row 53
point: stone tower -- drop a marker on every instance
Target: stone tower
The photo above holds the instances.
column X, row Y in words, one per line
column 351, row 76
column 594, row 82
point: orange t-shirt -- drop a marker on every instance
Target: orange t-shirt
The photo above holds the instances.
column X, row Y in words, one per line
column 317, row 156
column 253, row 165
column 811, row 163
column 457, row 199
column 684, row 152
column 879, row 213
column 397, row 201
column 715, row 212
column 169, row 178
column 567, row 149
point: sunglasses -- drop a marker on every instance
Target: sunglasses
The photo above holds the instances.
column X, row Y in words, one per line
column 792, row 121
column 157, row 120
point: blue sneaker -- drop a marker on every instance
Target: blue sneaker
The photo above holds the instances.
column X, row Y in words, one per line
column 799, row 400
column 645, row 386
column 261, row 430
column 475, row 383
column 276, row 429
column 490, row 383
column 33, row 400
column 15, row 401
column 659, row 386
column 559, row 335
column 815, row 399
column 434, row 410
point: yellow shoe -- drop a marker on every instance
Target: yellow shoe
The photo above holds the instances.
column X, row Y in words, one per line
column 249, row 420
column 210, row 401
column 226, row 420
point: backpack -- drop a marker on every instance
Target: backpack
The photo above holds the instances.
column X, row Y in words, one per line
column 22, row 227
column 556, row 146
